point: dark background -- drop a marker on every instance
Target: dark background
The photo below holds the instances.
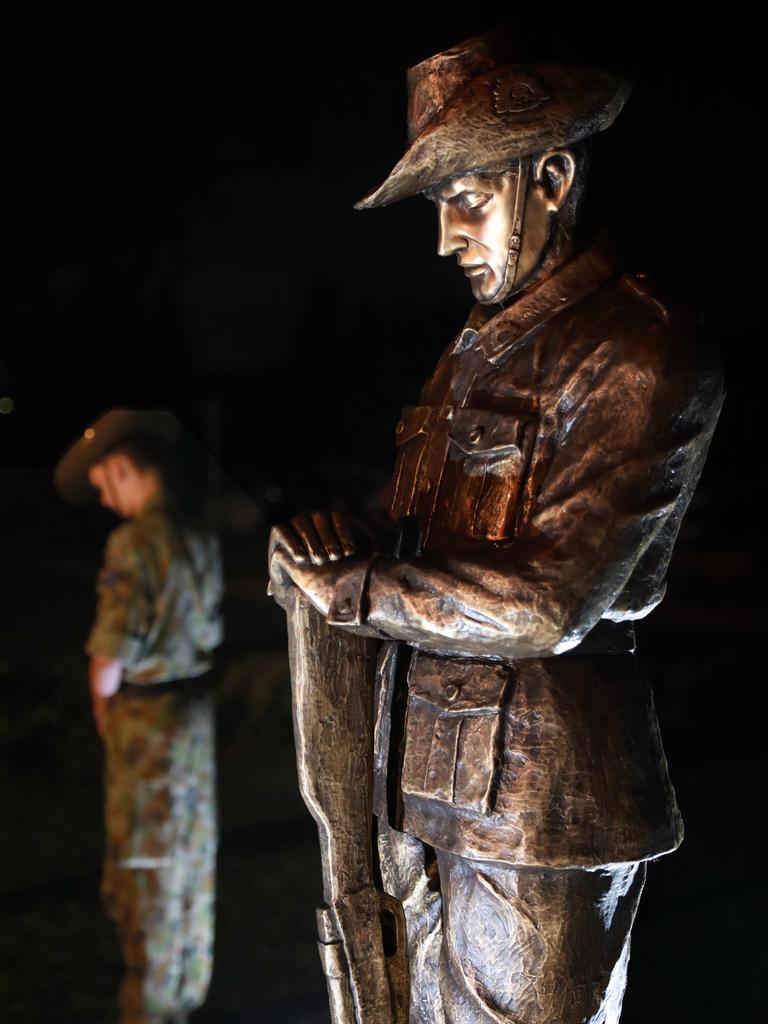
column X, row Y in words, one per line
column 178, row 231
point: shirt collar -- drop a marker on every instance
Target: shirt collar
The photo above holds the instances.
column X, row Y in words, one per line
column 478, row 318
column 569, row 283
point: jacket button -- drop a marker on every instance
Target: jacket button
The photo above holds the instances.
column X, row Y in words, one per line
column 449, row 412
column 451, row 691
column 475, row 434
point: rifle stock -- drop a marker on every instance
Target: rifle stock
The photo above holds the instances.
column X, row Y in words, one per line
column 332, row 675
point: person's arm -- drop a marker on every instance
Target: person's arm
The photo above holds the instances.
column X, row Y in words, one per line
column 122, row 620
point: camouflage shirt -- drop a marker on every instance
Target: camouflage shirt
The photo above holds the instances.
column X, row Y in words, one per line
column 159, row 598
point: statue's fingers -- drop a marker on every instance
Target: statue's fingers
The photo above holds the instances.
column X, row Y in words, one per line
column 344, row 533
column 308, row 535
column 328, row 538
column 284, row 537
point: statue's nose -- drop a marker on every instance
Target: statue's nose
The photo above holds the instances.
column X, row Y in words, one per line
column 449, row 240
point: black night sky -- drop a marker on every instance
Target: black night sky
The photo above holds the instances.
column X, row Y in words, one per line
column 178, row 231
column 179, row 226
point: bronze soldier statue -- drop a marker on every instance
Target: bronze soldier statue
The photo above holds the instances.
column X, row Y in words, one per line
column 151, row 648
column 520, row 784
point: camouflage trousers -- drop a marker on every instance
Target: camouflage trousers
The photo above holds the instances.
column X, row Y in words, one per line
column 159, row 871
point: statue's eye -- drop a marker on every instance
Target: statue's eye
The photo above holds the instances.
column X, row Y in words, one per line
column 473, row 200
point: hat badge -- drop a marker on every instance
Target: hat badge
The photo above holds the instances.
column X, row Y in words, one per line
column 515, row 92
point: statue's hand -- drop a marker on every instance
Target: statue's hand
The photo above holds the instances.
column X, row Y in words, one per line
column 320, row 538
column 316, row 582
column 299, row 548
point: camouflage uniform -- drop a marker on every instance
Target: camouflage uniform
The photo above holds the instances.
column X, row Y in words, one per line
column 158, row 614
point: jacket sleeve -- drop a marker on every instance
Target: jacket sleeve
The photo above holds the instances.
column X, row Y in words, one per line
column 123, row 615
column 211, row 631
column 621, row 442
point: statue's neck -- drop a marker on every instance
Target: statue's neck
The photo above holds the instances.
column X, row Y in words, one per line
column 559, row 251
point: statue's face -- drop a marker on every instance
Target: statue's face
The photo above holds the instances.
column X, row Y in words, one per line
column 475, row 214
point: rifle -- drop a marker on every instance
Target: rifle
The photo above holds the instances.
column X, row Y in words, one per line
column 361, row 929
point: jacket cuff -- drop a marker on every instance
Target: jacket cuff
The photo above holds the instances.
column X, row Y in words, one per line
column 349, row 604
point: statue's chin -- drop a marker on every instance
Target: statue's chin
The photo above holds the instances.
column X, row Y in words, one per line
column 488, row 296
column 486, row 293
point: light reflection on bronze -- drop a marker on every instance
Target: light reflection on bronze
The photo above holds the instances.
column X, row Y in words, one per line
column 519, row 779
column 332, row 677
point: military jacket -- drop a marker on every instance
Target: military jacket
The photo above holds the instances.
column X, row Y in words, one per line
column 548, row 461
column 159, row 597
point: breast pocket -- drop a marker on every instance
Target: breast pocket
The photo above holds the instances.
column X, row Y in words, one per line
column 411, row 435
column 452, row 730
column 486, row 462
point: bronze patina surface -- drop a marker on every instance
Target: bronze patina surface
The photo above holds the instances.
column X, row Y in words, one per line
column 520, row 783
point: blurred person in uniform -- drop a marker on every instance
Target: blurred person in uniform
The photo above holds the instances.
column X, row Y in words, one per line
column 157, row 624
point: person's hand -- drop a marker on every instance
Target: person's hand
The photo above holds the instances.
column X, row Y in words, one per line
column 104, row 676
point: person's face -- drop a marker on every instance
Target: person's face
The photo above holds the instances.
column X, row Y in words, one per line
column 97, row 479
column 475, row 217
column 112, row 479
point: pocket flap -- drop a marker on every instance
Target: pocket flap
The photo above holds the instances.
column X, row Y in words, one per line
column 414, row 420
column 457, row 684
column 484, row 433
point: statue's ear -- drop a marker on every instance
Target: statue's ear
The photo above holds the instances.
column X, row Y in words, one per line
column 553, row 173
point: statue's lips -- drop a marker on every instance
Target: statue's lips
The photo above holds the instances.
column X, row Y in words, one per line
column 474, row 269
